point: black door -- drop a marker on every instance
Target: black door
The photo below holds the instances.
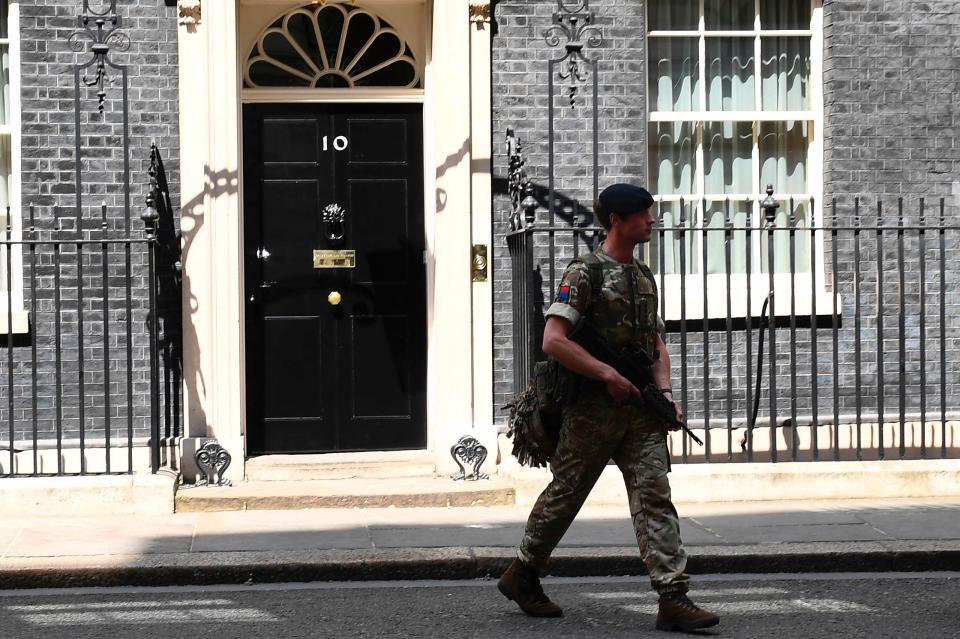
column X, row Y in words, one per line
column 336, row 356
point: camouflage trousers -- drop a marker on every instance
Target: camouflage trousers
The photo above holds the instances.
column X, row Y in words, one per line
column 596, row 430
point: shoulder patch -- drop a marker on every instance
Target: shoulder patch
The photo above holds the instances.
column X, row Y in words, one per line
column 563, row 293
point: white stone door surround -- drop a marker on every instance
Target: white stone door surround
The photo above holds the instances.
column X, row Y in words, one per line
column 456, row 99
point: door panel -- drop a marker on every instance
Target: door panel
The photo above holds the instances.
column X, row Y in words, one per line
column 293, row 225
column 387, row 384
column 351, row 376
column 291, row 141
column 293, row 390
column 380, row 258
column 366, row 136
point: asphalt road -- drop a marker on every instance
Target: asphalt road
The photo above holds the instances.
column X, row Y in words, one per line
column 925, row 605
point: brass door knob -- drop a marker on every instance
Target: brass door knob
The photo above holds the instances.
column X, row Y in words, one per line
column 334, row 298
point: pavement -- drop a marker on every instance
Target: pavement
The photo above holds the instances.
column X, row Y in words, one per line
column 345, row 544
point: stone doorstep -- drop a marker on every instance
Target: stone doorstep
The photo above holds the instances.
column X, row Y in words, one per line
column 691, row 483
column 378, row 465
column 400, row 492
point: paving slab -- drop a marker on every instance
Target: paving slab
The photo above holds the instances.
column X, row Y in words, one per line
column 8, row 534
column 407, row 543
column 745, row 534
column 922, row 523
column 102, row 536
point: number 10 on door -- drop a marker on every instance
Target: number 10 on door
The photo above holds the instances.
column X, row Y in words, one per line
column 339, row 143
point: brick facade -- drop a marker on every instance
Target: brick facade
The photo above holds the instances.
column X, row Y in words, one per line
column 891, row 130
column 520, row 101
column 48, row 183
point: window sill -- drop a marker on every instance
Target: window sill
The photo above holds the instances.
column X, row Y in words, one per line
column 804, row 303
column 20, row 324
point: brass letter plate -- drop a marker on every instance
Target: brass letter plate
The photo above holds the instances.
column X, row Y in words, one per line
column 334, row 259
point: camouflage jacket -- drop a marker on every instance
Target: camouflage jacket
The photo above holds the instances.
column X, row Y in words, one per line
column 624, row 310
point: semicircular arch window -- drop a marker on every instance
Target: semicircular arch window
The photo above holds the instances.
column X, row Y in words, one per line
column 331, row 46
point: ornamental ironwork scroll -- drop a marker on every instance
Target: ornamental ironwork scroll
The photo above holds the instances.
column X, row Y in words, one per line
column 573, row 25
column 101, row 28
column 469, row 452
column 213, row 461
column 523, row 204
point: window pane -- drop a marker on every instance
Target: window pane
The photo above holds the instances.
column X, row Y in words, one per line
column 730, row 81
column 4, row 84
column 782, row 241
column 727, row 153
column 778, row 14
column 728, row 14
column 716, row 249
column 5, row 174
column 672, row 148
column 4, row 15
column 785, row 84
column 674, row 74
column 674, row 15
column 668, row 215
column 783, row 156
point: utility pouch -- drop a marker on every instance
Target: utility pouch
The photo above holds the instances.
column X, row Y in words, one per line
column 535, row 415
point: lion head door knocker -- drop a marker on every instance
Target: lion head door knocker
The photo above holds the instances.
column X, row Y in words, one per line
column 469, row 451
column 213, row 461
column 333, row 222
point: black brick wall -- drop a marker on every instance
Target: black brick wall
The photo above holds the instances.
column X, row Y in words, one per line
column 520, row 59
column 48, row 183
column 891, row 75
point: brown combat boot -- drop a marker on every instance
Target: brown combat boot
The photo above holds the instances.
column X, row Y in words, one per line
column 677, row 612
column 521, row 584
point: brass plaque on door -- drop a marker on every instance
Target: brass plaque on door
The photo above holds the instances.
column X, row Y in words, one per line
column 334, row 259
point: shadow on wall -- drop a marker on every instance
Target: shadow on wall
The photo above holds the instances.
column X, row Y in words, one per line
column 192, row 217
column 566, row 209
column 169, row 308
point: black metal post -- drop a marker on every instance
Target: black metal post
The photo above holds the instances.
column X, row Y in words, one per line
column 150, row 217
column 880, row 352
column 770, row 206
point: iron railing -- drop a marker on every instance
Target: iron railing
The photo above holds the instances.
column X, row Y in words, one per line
column 80, row 373
column 73, row 388
column 852, row 314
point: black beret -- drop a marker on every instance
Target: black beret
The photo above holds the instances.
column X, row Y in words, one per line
column 625, row 198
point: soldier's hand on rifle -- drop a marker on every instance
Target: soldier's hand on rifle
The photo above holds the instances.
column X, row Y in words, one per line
column 680, row 415
column 620, row 387
column 668, row 393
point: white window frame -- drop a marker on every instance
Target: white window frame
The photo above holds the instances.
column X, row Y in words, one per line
column 716, row 284
column 12, row 305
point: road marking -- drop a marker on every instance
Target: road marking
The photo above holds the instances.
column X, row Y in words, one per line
column 95, row 605
column 769, row 607
column 136, row 612
column 105, row 617
column 464, row 583
column 699, row 592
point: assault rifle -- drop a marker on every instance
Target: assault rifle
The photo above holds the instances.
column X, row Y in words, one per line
column 635, row 365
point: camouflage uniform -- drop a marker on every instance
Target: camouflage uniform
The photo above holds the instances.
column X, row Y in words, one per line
column 597, row 429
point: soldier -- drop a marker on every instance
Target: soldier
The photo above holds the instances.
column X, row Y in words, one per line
column 600, row 424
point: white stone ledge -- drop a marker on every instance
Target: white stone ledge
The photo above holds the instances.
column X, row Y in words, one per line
column 143, row 494
column 765, row 481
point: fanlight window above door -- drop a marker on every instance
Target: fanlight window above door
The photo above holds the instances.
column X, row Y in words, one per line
column 331, row 46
